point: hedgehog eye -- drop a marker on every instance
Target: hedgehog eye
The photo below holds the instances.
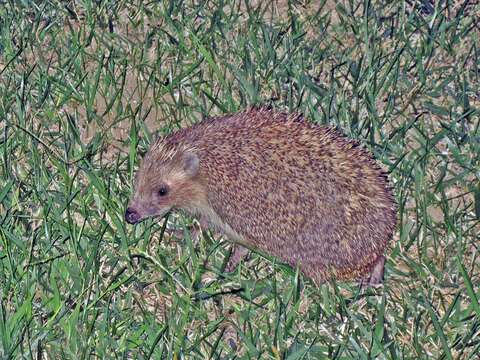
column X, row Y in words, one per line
column 163, row 190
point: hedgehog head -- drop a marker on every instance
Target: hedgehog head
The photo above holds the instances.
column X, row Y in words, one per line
column 166, row 180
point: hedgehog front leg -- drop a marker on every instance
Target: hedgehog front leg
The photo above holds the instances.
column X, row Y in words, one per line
column 238, row 254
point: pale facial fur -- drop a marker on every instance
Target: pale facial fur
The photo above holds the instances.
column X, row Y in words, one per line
column 162, row 185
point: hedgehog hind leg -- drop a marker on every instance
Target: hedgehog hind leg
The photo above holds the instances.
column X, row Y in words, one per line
column 376, row 275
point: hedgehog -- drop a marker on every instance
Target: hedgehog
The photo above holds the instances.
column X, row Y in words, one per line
column 278, row 184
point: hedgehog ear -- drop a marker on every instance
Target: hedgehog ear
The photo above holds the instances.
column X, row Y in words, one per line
column 191, row 164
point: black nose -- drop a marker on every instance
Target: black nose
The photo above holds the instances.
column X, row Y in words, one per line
column 131, row 216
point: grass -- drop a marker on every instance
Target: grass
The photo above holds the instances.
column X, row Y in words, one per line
column 84, row 85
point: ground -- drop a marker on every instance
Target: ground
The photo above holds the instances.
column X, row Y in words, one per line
column 85, row 86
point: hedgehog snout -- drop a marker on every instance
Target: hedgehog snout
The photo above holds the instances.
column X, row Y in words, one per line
column 132, row 216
